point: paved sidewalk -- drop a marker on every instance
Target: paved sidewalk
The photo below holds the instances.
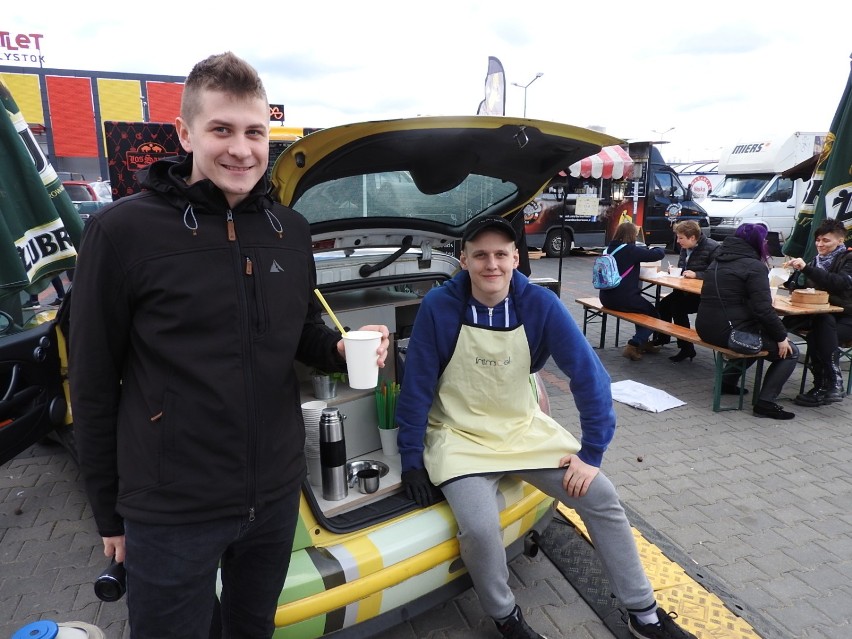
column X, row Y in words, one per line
column 760, row 509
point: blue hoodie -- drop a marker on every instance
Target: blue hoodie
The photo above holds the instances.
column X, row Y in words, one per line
column 550, row 330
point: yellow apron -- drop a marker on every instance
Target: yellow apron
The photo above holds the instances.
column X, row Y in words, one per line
column 485, row 417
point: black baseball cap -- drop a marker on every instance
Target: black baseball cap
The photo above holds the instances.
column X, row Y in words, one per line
column 494, row 222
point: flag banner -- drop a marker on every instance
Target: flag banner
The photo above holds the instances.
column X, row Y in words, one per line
column 829, row 192
column 136, row 145
column 495, row 90
column 40, row 228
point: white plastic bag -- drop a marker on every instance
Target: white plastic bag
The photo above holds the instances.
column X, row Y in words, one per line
column 644, row 397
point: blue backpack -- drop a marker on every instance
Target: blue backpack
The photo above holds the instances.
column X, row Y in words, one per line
column 605, row 273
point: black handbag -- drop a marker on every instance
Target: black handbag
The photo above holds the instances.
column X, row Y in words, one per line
column 739, row 341
column 744, row 342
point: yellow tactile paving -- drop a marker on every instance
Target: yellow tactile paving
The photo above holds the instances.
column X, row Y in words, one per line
column 699, row 611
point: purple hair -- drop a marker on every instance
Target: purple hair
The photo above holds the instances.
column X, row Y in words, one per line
column 755, row 236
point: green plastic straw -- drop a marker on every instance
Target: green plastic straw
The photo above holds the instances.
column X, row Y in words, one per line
column 386, row 397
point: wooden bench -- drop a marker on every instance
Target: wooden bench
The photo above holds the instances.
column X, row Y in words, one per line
column 593, row 311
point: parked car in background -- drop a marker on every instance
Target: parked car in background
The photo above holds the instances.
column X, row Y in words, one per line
column 88, row 197
column 387, row 203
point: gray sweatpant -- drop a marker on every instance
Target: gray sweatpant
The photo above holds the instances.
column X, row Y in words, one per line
column 474, row 501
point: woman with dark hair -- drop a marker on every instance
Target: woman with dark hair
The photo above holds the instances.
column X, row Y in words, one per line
column 830, row 270
column 627, row 296
column 736, row 294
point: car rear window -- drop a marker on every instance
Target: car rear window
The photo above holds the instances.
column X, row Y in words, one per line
column 78, row 193
column 394, row 194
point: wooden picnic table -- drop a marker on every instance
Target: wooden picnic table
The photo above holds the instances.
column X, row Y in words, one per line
column 781, row 302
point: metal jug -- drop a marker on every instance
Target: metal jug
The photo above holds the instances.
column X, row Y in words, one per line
column 333, row 455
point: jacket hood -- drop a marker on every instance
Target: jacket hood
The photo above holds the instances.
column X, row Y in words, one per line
column 168, row 178
column 735, row 248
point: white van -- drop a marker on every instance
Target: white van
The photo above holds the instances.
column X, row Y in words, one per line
column 755, row 188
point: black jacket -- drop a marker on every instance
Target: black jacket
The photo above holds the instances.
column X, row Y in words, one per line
column 185, row 401
column 837, row 280
column 743, row 283
column 701, row 257
column 627, row 296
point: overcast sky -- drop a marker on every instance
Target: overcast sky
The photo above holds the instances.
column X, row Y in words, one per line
column 699, row 75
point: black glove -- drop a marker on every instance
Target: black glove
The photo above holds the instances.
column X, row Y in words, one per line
column 419, row 488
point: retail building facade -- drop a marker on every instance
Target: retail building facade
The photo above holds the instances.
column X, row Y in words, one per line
column 66, row 110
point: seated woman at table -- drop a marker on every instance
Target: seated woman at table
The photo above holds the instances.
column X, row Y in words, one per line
column 627, row 296
column 696, row 254
column 736, row 294
column 830, row 270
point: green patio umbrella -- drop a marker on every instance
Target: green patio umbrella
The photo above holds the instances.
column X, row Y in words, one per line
column 829, row 193
column 40, row 228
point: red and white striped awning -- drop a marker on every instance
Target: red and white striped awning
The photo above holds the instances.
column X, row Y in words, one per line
column 611, row 162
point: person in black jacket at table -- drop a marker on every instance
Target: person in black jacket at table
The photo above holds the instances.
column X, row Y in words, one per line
column 696, row 254
column 735, row 294
column 627, row 296
column 830, row 270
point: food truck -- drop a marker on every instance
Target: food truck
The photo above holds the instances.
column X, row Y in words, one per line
column 759, row 188
column 583, row 205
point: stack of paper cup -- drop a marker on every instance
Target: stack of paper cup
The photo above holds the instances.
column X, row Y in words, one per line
column 311, row 412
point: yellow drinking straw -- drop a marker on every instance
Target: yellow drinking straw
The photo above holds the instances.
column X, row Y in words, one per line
column 330, row 312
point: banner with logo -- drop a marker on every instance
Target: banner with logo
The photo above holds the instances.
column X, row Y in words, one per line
column 40, row 228
column 829, row 192
column 495, row 90
column 135, row 145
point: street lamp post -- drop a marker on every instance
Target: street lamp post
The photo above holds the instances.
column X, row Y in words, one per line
column 663, row 133
column 527, row 86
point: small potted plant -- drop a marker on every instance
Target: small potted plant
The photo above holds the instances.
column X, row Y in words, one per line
column 325, row 384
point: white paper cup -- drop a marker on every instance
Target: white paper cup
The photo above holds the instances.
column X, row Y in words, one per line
column 362, row 365
column 675, row 270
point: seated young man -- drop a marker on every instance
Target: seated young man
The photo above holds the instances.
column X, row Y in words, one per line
column 467, row 417
column 830, row 270
column 696, row 254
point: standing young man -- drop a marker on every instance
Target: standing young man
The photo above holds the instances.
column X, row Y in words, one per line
column 192, row 299
column 467, row 417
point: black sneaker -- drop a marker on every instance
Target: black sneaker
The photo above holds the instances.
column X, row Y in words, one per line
column 31, row 304
column 771, row 410
column 56, row 302
column 514, row 627
column 814, row 397
column 665, row 629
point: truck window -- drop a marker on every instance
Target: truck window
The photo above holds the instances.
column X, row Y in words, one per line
column 780, row 191
column 666, row 186
column 741, row 187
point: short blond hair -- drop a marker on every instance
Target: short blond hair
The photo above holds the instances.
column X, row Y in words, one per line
column 224, row 72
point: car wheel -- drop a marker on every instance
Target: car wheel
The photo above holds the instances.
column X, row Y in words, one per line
column 558, row 243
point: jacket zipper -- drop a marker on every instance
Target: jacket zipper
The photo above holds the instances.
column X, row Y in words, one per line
column 252, row 434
